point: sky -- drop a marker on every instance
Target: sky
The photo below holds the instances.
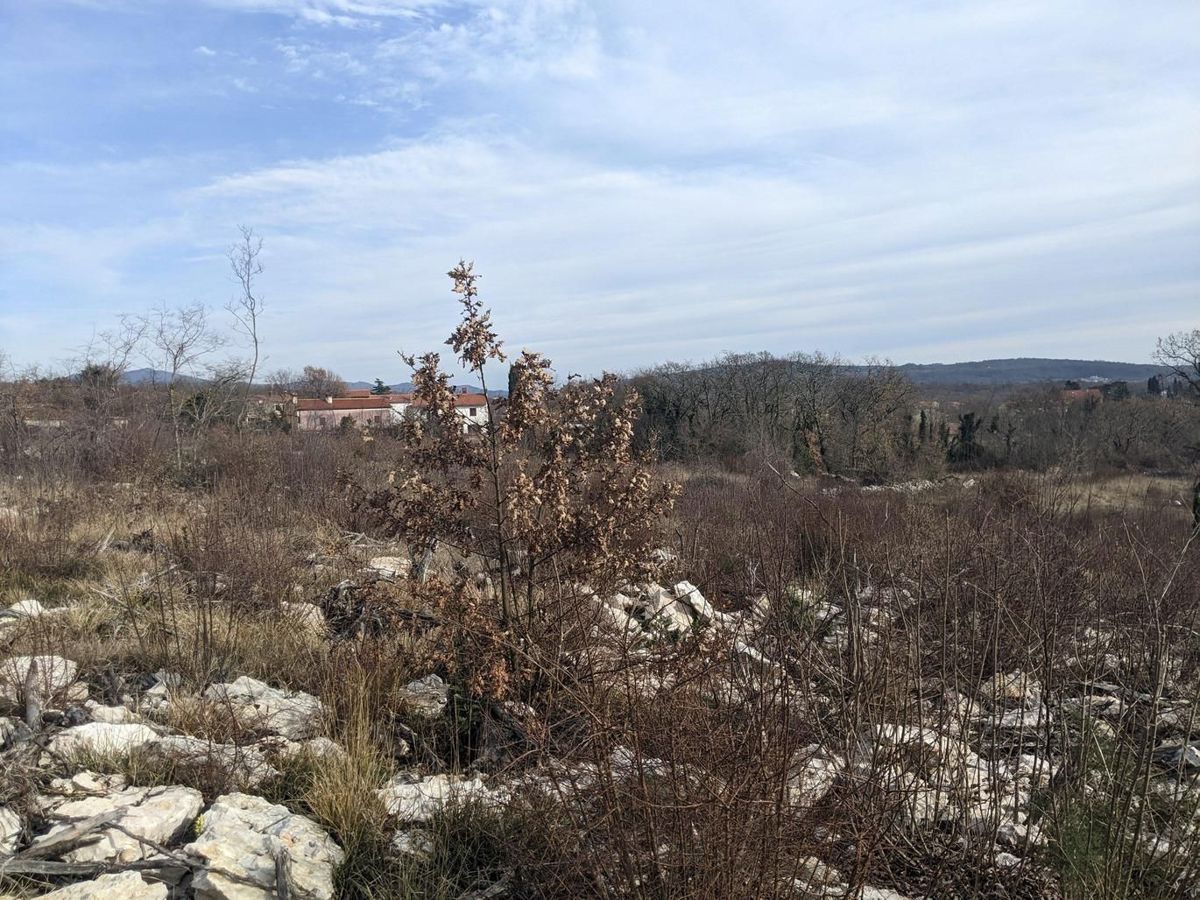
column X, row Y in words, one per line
column 636, row 181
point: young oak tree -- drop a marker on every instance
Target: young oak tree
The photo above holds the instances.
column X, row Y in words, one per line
column 549, row 493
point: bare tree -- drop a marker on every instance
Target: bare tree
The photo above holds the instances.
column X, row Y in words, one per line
column 1180, row 351
column 283, row 381
column 247, row 306
column 319, row 382
column 178, row 339
column 104, row 361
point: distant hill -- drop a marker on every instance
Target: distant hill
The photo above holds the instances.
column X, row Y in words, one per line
column 156, row 376
column 404, row 387
column 1026, row 370
column 1023, row 370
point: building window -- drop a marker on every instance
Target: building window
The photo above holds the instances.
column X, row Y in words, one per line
column 320, row 421
column 473, row 411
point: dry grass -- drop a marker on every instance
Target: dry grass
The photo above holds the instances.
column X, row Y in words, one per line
column 1067, row 581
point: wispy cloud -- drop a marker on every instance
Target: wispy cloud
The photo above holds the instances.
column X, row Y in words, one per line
column 644, row 181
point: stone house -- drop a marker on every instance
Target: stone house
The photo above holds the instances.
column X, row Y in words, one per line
column 380, row 410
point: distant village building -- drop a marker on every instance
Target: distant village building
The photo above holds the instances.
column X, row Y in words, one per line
column 1074, row 391
column 366, row 410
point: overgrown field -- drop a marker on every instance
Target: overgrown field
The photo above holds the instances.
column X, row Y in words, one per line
column 971, row 688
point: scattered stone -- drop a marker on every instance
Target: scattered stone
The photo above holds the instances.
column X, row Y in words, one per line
column 313, row 748
column 103, row 738
column 390, row 566
column 111, row 715
column 811, row 776
column 817, row 880
column 411, row 798
column 122, row 886
column 87, row 784
column 54, row 676
column 9, row 728
column 1013, row 687
column 414, row 842
column 28, row 608
column 688, row 594
column 427, row 696
column 878, row 893
column 247, row 842
column 245, row 766
column 617, row 620
column 292, row 714
column 1177, row 755
column 304, row 615
column 10, row 830
column 159, row 815
column 660, row 609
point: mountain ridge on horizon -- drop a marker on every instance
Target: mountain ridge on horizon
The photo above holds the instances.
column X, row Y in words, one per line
column 999, row 371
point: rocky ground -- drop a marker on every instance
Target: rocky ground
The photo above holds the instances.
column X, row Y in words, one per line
column 102, row 816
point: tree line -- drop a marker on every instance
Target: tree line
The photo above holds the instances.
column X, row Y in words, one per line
column 814, row 413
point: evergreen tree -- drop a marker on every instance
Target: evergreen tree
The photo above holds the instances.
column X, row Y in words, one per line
column 380, row 388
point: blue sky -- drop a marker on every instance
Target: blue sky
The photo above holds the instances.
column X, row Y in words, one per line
column 924, row 181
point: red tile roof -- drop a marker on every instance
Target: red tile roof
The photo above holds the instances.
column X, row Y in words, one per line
column 383, row 401
column 346, row 403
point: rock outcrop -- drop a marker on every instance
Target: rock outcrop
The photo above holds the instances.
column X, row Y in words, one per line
column 247, row 845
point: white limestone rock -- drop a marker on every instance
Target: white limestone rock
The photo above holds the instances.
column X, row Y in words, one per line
column 305, row 616
column 616, row 620
column 878, row 893
column 122, row 886
column 390, row 566
column 427, row 696
column 29, row 608
column 811, row 775
column 159, row 815
column 9, row 729
column 689, row 595
column 292, row 714
column 242, row 839
column 411, row 798
column 111, row 715
column 10, row 830
column 103, row 738
column 54, row 675
column 247, row 766
column 660, row 609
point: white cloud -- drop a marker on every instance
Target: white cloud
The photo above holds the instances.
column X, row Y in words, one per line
column 204, row 51
column 333, row 12
column 649, row 181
